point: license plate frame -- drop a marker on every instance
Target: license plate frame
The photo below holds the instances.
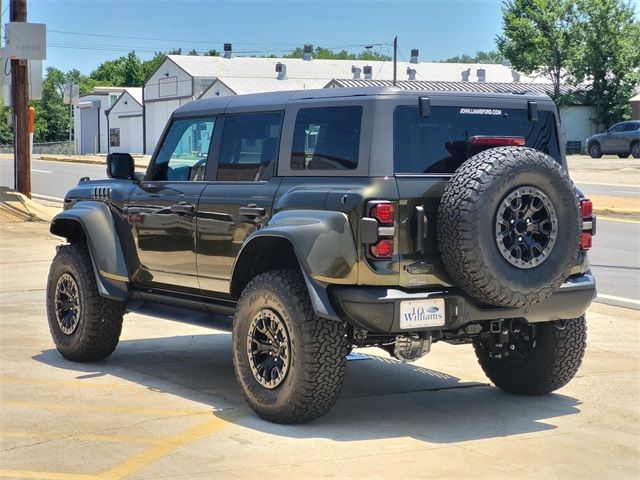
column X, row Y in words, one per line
column 423, row 313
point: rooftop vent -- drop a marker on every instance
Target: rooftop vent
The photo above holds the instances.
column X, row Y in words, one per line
column 482, row 75
column 466, row 74
column 412, row 73
column 515, row 75
column 367, row 72
column 414, row 55
column 308, row 52
column 357, row 72
column 227, row 50
column 281, row 70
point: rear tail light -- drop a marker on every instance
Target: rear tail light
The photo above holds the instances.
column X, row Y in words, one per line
column 588, row 224
column 586, row 209
column 486, row 141
column 383, row 212
column 382, row 249
column 382, row 238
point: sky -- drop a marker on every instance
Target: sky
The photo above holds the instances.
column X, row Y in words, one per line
column 83, row 33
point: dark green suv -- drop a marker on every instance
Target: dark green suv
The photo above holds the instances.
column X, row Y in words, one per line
column 322, row 220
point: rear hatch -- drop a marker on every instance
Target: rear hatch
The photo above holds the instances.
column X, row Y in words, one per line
column 428, row 148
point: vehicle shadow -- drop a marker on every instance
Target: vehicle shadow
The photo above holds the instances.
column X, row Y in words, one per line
column 382, row 397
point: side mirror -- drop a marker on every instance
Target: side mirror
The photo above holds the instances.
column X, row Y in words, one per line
column 120, row 165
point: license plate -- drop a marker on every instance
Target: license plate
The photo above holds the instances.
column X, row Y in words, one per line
column 422, row 313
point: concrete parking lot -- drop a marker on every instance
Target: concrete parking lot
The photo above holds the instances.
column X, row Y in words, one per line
column 166, row 405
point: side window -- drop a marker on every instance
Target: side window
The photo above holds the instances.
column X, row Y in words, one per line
column 326, row 138
column 617, row 128
column 184, row 151
column 249, row 146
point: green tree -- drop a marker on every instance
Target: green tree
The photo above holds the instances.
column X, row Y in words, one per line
column 6, row 134
column 540, row 36
column 326, row 53
column 133, row 71
column 480, row 57
column 609, row 56
column 52, row 116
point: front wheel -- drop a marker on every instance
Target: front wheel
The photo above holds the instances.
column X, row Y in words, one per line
column 289, row 362
column 635, row 150
column 84, row 326
column 533, row 359
column 595, row 151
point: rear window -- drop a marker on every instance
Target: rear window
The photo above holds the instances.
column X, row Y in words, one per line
column 440, row 143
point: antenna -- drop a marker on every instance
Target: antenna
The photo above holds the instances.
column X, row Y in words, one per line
column 395, row 60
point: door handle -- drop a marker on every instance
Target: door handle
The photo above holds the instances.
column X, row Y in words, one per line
column 182, row 208
column 252, row 211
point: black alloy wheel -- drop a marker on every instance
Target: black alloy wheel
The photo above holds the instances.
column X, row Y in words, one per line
column 526, row 227
column 268, row 348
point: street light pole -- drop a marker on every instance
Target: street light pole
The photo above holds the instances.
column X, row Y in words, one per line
column 20, row 105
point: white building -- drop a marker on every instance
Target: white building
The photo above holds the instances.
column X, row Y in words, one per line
column 183, row 78
column 90, row 121
column 124, row 122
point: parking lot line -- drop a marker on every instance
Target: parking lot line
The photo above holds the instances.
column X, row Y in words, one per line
column 162, row 412
column 164, row 448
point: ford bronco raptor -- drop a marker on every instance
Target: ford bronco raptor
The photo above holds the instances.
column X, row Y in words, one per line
column 322, row 220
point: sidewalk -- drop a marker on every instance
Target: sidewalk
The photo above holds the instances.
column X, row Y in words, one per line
column 141, row 161
column 15, row 208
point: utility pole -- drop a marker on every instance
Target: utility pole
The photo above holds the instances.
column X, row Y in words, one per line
column 20, row 105
column 395, row 60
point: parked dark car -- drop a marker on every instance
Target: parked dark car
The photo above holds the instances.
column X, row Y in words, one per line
column 623, row 139
column 324, row 220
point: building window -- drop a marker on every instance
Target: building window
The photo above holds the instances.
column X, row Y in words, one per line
column 326, row 138
column 114, row 137
column 113, row 99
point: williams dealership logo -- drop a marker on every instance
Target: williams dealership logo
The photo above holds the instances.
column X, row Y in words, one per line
column 420, row 314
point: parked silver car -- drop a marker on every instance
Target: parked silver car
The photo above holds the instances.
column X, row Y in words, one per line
column 623, row 139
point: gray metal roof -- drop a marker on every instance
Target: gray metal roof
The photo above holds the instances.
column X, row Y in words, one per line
column 477, row 87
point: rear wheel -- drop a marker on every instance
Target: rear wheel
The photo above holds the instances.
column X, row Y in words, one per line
column 533, row 359
column 84, row 326
column 289, row 362
column 594, row 150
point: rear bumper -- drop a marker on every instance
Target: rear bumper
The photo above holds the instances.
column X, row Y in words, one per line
column 377, row 309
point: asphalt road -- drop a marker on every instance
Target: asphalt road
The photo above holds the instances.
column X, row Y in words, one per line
column 615, row 257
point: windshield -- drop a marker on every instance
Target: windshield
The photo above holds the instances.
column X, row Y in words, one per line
column 440, row 143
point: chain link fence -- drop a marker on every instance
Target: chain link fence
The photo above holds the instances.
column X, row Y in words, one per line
column 50, row 148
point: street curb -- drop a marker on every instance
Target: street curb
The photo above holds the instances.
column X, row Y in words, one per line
column 616, row 211
column 86, row 161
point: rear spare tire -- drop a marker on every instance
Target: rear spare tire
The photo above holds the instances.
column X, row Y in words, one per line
column 509, row 226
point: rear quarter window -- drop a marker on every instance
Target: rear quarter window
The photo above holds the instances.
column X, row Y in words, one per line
column 439, row 143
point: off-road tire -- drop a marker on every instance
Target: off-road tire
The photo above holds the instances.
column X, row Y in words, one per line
column 594, row 150
column 635, row 149
column 467, row 226
column 553, row 362
column 318, row 351
column 100, row 319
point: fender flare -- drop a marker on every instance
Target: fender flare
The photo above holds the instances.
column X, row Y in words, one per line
column 323, row 244
column 93, row 222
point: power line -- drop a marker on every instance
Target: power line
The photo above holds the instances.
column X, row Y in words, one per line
column 210, row 42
